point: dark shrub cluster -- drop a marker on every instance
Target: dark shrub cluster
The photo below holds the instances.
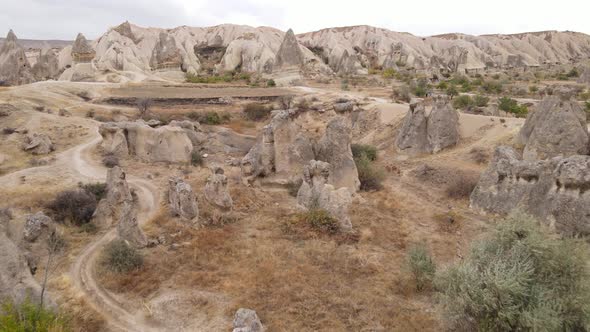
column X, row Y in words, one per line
column 257, row 111
column 120, row 257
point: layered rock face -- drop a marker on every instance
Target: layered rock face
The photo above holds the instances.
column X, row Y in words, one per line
column 553, row 190
column 182, row 200
column 429, row 134
column 109, row 209
column 216, row 191
column 285, row 147
column 289, row 54
column 14, row 66
column 316, row 193
column 557, row 128
column 165, row 144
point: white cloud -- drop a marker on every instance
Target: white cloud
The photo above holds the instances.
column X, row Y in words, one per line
column 62, row 19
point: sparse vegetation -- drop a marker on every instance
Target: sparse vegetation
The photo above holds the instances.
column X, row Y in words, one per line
column 511, row 106
column 461, row 186
column 196, row 158
column 370, row 176
column 257, row 111
column 321, row 221
column 389, row 73
column 219, row 78
column 293, row 187
column 421, row 266
column 364, row 151
column 28, row 316
column 521, row 277
column 271, row 83
column 143, row 106
column 99, row 190
column 452, row 91
column 479, row 155
column 401, row 93
column 75, row 206
column 120, row 257
column 209, row 118
column 8, row 131
column 110, row 160
column 463, row 102
column 481, row 101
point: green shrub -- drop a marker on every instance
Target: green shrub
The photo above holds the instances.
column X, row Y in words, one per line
column 293, row 187
column 196, row 159
column 588, row 106
column 510, row 105
column 120, row 257
column 573, row 73
column 452, row 91
column 419, row 88
column 421, row 266
column 443, row 85
column 29, row 317
column 533, row 89
column 271, row 83
column 481, row 101
column 520, row 277
column 389, row 73
column 321, row 220
column 401, row 93
column 99, row 190
column 75, row 206
column 366, row 151
column 462, row 102
column 370, row 176
column 257, row 111
column 494, row 87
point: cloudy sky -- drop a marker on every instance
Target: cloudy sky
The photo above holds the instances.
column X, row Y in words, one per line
column 62, row 19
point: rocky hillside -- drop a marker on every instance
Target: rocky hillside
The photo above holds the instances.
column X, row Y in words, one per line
column 130, row 52
column 355, row 49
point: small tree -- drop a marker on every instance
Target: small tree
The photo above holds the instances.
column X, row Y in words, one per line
column 452, row 91
column 421, row 265
column 143, row 106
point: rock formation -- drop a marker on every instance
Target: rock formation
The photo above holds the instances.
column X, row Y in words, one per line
column 128, row 228
column 109, row 209
column 557, row 128
column 38, row 144
column 47, row 66
column 35, row 225
column 343, row 107
column 14, row 66
column 553, row 190
column 429, row 134
column 82, row 52
column 165, row 53
column 335, row 148
column 585, row 76
column 162, row 144
column 316, row 193
column 183, row 202
column 216, row 191
column 289, row 54
column 246, row 320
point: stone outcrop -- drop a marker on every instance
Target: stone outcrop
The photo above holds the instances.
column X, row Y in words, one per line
column 553, row 190
column 109, row 209
column 316, row 193
column 182, row 200
column 14, row 66
column 585, row 76
column 47, row 66
column 38, row 144
column 16, row 281
column 246, row 320
column 162, row 144
column 335, row 148
column 35, row 225
column 128, row 228
column 429, row 134
column 557, row 128
column 82, row 52
column 289, row 54
column 165, row 53
column 343, row 107
column 216, row 191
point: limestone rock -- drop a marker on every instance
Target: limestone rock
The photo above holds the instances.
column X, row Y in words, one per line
column 289, row 53
column 316, row 193
column 128, row 228
column 216, row 191
column 109, row 209
column 81, row 50
column 557, row 128
column 344, row 107
column 553, row 190
column 429, row 134
column 183, row 202
column 162, row 144
column 335, row 148
column 246, row 320
column 14, row 66
column 165, row 53
column 47, row 66
column 35, row 225
column 38, row 144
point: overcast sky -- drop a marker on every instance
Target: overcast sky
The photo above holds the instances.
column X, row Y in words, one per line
column 63, row 19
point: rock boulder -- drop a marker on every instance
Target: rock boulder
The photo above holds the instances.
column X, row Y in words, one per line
column 109, row 209
column 35, row 225
column 183, row 202
column 38, row 144
column 216, row 191
column 246, row 320
column 128, row 228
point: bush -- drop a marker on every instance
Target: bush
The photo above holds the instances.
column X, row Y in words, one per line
column 452, row 91
column 389, row 73
column 492, row 87
column 462, row 102
column 209, row 118
column 271, row 83
column 371, row 178
column 8, row 131
column 520, row 277
column 257, row 111
column 510, row 105
column 28, row 316
column 366, row 151
column 75, row 206
column 479, row 155
column 196, row 159
column 481, row 101
column 143, row 106
column 573, row 73
column 110, row 161
column 99, row 190
column 421, row 266
column 419, row 88
column 120, row 257
column 401, row 93
column 293, row 187
column 461, row 186
column 321, row 220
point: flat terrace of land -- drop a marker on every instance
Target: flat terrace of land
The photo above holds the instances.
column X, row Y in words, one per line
column 190, row 94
